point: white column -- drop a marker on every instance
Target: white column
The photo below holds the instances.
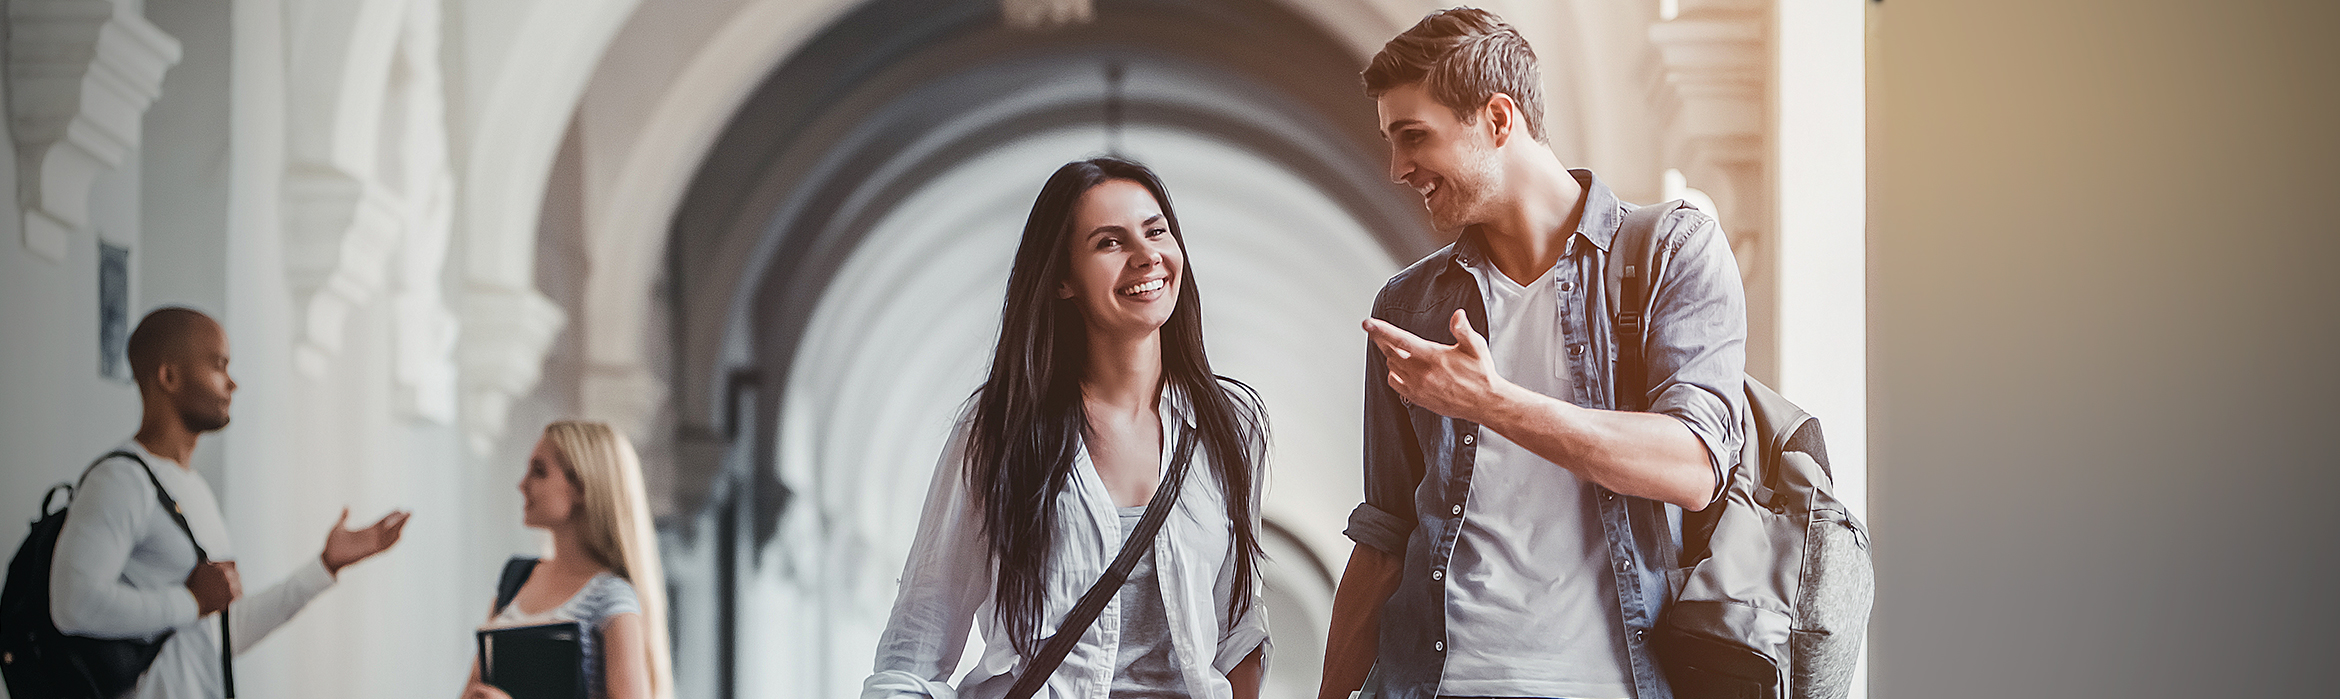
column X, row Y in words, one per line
column 1822, row 175
column 1823, row 215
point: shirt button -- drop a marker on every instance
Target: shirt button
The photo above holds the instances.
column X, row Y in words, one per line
column 1469, row 440
column 1567, row 286
column 1458, row 510
column 1439, row 646
column 1437, row 575
column 1576, row 349
column 1608, row 496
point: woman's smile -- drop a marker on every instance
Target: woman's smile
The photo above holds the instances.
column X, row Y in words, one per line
column 1147, row 290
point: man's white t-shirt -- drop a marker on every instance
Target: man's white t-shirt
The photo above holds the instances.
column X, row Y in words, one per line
column 1531, row 606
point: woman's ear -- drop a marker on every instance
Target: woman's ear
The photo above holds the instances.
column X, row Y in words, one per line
column 1064, row 290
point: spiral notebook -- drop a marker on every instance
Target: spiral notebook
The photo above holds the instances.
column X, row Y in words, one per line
column 546, row 661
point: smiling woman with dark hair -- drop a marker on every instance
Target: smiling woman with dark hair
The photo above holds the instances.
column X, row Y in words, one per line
column 1099, row 399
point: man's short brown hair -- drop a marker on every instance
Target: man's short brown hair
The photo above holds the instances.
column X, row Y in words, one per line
column 1462, row 57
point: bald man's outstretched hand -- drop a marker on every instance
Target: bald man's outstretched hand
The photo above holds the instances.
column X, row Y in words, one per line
column 346, row 546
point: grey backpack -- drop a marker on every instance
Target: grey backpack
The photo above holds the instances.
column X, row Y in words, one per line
column 1774, row 588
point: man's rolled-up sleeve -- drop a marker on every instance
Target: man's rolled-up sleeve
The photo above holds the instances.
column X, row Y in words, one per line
column 1697, row 348
column 1393, row 463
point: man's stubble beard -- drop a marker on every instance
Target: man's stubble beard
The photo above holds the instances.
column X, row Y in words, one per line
column 1467, row 192
column 199, row 422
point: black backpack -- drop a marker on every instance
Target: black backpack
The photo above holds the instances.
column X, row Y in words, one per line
column 41, row 662
column 1775, row 587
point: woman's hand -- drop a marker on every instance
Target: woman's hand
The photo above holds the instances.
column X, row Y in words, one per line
column 477, row 690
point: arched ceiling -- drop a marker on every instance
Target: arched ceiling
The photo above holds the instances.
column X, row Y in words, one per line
column 900, row 90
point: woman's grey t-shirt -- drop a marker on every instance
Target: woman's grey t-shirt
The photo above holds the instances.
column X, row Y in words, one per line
column 603, row 597
column 1144, row 668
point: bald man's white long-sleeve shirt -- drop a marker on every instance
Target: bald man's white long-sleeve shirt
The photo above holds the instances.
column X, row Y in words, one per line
column 121, row 572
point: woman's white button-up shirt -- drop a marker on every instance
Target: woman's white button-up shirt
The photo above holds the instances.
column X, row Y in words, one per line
column 948, row 583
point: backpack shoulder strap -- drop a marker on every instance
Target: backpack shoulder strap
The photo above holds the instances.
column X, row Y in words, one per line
column 1632, row 271
column 516, row 573
column 227, row 644
column 170, row 506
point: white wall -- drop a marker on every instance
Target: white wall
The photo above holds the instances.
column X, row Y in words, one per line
column 203, row 208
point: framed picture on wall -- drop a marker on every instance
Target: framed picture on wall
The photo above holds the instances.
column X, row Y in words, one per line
column 113, row 311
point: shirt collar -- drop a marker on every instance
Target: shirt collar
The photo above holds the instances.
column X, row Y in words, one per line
column 133, row 446
column 1174, row 405
column 1603, row 214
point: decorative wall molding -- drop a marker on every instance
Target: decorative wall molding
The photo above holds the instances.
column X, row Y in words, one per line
column 425, row 329
column 413, row 158
column 340, row 233
column 343, row 223
column 627, row 396
column 1713, row 78
column 1715, row 61
column 1712, row 88
column 506, row 332
column 81, row 74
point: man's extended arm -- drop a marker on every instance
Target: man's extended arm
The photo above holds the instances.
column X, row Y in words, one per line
column 1640, row 454
column 260, row 614
column 1677, row 452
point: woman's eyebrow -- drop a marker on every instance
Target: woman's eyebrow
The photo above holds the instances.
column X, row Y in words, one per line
column 1117, row 228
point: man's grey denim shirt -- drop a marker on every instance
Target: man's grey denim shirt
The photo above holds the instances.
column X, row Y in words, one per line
column 1418, row 463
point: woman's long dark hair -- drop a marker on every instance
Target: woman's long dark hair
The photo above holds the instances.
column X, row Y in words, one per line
column 1029, row 419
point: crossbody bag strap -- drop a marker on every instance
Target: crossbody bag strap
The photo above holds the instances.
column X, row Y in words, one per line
column 1093, row 602
column 227, row 644
column 1633, row 271
column 1634, row 268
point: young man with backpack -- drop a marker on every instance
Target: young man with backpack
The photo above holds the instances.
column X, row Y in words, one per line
column 143, row 569
column 1518, row 525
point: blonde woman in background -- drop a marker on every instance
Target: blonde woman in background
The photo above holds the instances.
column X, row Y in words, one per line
column 584, row 486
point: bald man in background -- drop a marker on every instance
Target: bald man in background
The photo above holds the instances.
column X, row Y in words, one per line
column 125, row 569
